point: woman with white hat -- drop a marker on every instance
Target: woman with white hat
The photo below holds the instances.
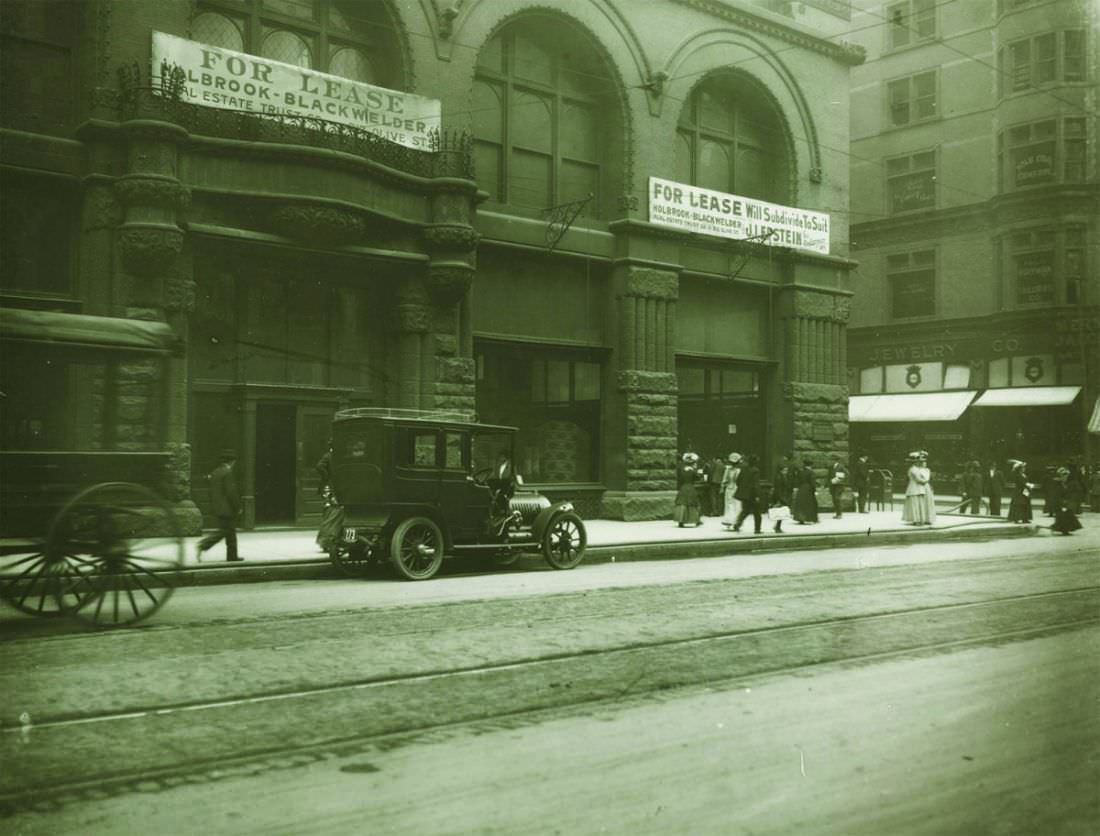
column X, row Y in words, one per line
column 1019, row 509
column 1065, row 521
column 729, row 485
column 687, row 510
column 920, row 503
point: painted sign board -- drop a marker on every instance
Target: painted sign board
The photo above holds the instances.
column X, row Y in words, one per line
column 707, row 212
column 228, row 80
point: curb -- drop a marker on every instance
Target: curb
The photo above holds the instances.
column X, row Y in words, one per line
column 319, row 568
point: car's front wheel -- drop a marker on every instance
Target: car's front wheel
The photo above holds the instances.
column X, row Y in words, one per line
column 564, row 540
column 416, row 549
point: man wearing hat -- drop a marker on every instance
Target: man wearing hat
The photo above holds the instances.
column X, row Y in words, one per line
column 225, row 500
column 993, row 482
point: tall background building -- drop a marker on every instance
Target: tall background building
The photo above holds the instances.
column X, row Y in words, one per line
column 975, row 326
column 509, row 266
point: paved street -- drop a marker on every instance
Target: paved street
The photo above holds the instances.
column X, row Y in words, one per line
column 937, row 688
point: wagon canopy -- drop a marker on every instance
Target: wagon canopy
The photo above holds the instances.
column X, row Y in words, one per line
column 81, row 330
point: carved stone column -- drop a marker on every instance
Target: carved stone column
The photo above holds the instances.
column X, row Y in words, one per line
column 644, row 482
column 814, row 413
column 448, row 380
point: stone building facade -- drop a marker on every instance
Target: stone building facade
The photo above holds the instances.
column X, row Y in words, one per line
column 975, row 328
column 509, row 268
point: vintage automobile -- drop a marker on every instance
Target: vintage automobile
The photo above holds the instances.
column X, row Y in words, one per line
column 416, row 486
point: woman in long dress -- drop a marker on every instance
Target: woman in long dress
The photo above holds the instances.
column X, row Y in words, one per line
column 687, row 510
column 729, row 486
column 1019, row 509
column 920, row 503
column 1065, row 520
column 805, row 494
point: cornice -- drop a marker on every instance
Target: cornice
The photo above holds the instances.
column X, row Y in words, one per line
column 844, row 53
column 1048, row 203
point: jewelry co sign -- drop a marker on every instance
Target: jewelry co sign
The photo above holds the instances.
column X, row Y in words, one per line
column 707, row 212
column 228, row 80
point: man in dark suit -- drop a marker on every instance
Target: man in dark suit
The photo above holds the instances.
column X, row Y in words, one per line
column 860, row 474
column 993, row 482
column 748, row 492
column 226, row 502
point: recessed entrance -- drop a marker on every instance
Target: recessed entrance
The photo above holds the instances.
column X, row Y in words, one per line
column 276, row 463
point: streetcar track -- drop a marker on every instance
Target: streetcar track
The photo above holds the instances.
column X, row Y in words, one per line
column 532, row 662
column 273, row 758
column 221, row 622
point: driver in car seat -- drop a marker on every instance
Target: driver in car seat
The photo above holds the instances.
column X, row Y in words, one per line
column 502, row 482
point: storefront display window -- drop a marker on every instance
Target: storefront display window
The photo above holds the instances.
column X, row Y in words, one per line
column 553, row 396
column 721, row 408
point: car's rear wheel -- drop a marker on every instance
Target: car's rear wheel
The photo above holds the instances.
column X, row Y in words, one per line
column 564, row 540
column 416, row 549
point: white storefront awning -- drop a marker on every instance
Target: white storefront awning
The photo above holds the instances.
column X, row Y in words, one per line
column 1029, row 396
column 1094, row 421
column 924, row 406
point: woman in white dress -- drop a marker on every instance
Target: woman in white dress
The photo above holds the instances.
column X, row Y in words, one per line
column 729, row 486
column 920, row 502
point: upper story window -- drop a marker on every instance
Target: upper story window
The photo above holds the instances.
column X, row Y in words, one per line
column 545, row 118
column 1041, row 59
column 1005, row 6
column 911, row 182
column 912, row 280
column 730, row 139
column 1038, row 153
column 912, row 99
column 911, row 22
column 37, row 228
column 349, row 38
column 37, row 79
column 1046, row 266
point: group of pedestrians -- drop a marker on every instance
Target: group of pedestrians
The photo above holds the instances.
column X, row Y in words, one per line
column 733, row 489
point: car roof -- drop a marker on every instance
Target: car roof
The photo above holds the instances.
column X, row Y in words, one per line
column 419, row 417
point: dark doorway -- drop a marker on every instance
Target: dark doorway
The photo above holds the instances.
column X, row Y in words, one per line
column 275, row 462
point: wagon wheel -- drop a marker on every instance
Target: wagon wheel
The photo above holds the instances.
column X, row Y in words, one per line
column 416, row 549
column 34, row 582
column 352, row 560
column 564, row 540
column 125, row 549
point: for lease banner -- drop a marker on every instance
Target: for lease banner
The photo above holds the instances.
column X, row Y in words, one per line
column 231, row 80
column 707, row 212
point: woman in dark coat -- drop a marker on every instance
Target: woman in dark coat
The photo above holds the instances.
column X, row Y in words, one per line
column 805, row 494
column 1065, row 520
column 1019, row 509
column 687, row 510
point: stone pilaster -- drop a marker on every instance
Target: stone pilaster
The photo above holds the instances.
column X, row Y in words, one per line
column 813, row 416
column 643, row 485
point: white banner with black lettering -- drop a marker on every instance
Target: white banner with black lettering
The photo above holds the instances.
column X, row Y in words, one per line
column 228, row 80
column 707, row 212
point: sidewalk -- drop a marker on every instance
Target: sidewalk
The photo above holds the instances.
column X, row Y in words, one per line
column 294, row 553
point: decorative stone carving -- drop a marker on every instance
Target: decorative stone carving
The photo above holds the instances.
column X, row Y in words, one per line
column 451, row 237
column 652, row 283
column 449, row 282
column 815, row 175
column 149, row 249
column 816, row 305
column 628, row 203
column 179, row 294
column 637, row 380
column 331, row 225
column 152, row 190
column 412, row 319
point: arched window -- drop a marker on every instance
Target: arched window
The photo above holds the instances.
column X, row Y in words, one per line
column 545, row 116
column 350, row 38
column 731, row 139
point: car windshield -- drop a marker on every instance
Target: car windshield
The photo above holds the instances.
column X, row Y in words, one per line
column 488, row 446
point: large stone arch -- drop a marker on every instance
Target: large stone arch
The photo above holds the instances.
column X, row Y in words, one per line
column 607, row 31
column 723, row 50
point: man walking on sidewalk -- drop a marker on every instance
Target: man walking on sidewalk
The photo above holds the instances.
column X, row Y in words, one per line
column 748, row 492
column 838, row 477
column 994, row 479
column 860, row 476
column 226, row 501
